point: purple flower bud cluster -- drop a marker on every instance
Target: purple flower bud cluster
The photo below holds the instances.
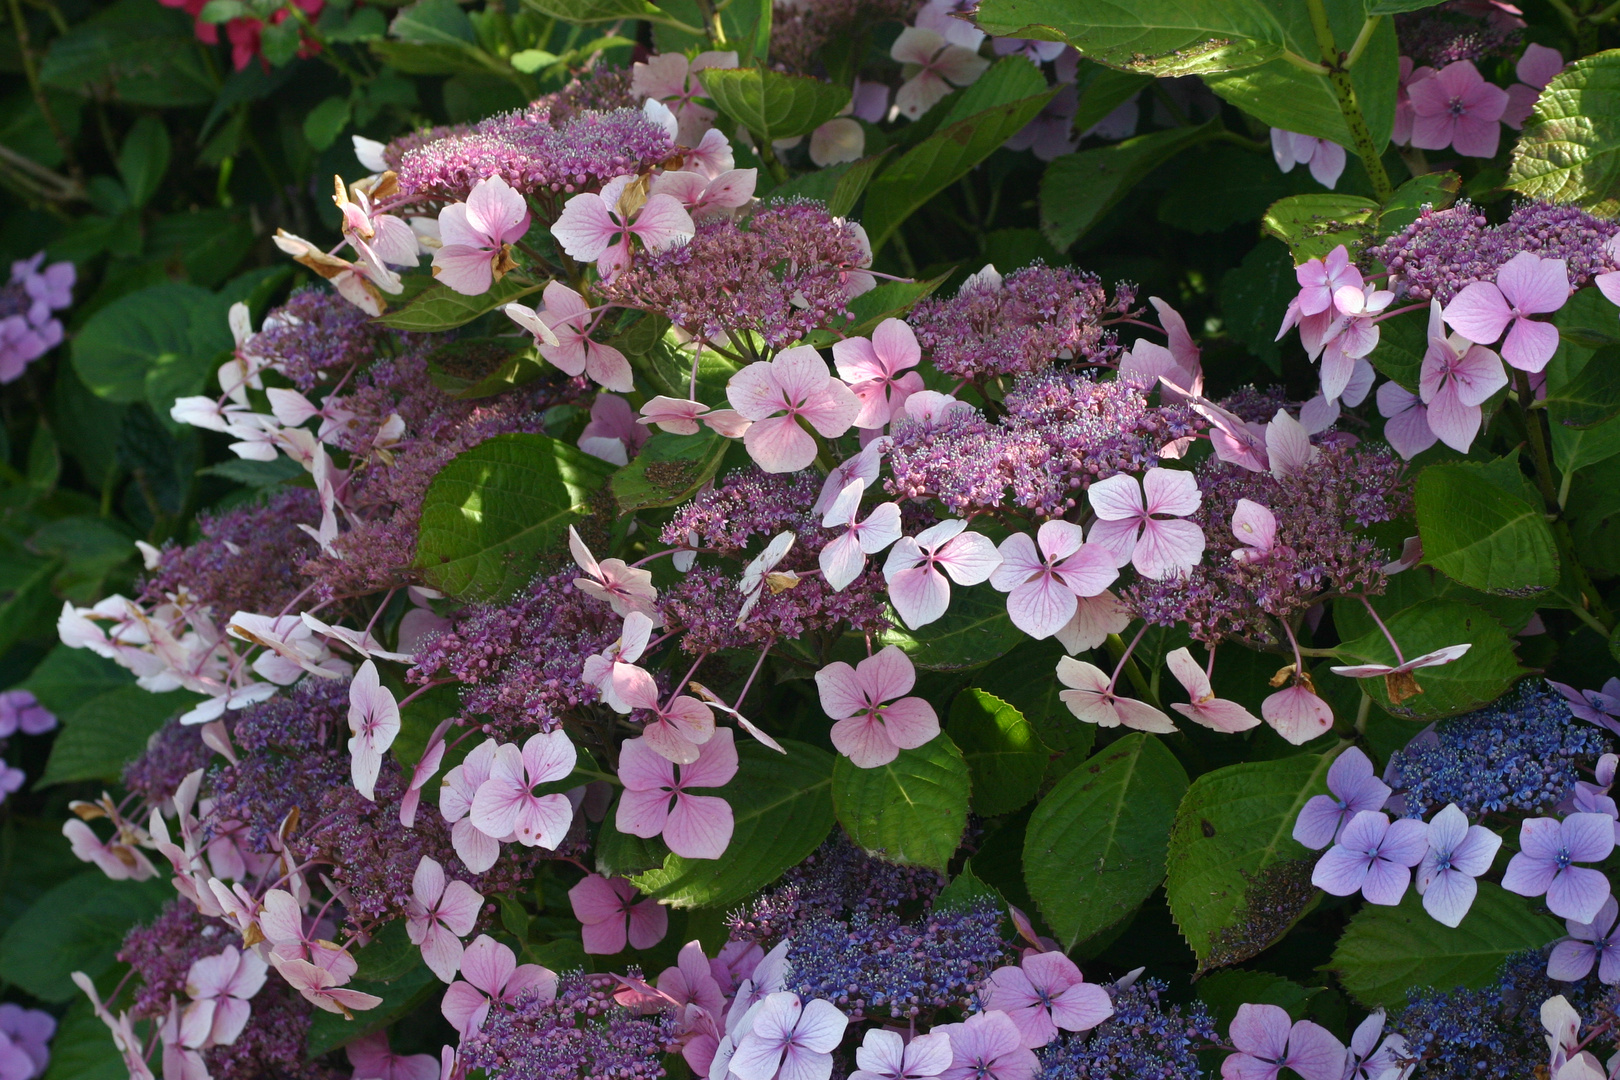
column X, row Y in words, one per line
column 171, row 755
column 745, row 505
column 534, row 153
column 315, row 332
column 1145, row 1039
column 1444, row 250
column 581, row 1034
column 520, row 663
column 780, row 272
column 1522, row 752
column 799, row 32
column 28, row 329
column 1456, row 31
column 162, row 951
column 247, row 559
column 878, row 966
column 704, row 606
column 1020, row 324
column 837, row 878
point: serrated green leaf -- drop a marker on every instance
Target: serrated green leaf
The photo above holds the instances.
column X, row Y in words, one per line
column 388, row 955
column 839, row 186
column 1482, row 536
column 1402, row 341
column 178, row 328
column 1387, row 951
column 620, row 854
column 1569, row 150
column 1313, row 225
column 76, row 926
column 1475, row 680
column 968, row 890
column 911, row 811
column 493, row 510
column 772, row 104
column 1592, row 396
column 1238, row 879
column 1437, row 190
column 100, row 735
column 1096, row 844
column 975, row 630
column 1078, row 189
column 668, row 470
column 439, row 307
column 782, row 808
column 1004, row 755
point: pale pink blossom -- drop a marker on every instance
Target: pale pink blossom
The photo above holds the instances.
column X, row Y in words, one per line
column 1536, row 68
column 790, row 1039
column 1255, row 527
column 711, row 155
column 1428, row 659
column 1320, row 279
column 917, row 567
column 1205, row 707
column 1406, row 420
column 875, row 369
column 1288, row 446
column 1045, row 578
column 374, row 724
column 692, row 981
column 491, row 973
column 844, row 557
column 179, row 1061
column 220, row 987
column 610, row 915
column 988, row 1046
column 597, row 227
column 477, row 235
column 1525, row 285
column 885, row 1055
column 624, row 588
column 281, row 922
column 1409, row 76
column 759, row 572
column 1297, row 714
column 360, row 284
column 1325, row 158
column 1095, row 618
column 676, row 730
column 324, row 990
column 614, row 667
column 475, row 848
column 1266, row 1040
column 1090, row 697
column 1044, row 993
column 673, row 80
column 777, row 394
column 441, row 912
column 506, row 802
column 875, row 718
column 1127, row 527
column 1456, row 107
column 381, row 240
column 658, row 799
column 951, row 20
column 708, row 196
column 932, row 66
column 863, row 466
column 373, row 1059
column 561, row 330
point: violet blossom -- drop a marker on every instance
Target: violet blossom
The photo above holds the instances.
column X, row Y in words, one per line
column 1458, row 853
column 1548, row 850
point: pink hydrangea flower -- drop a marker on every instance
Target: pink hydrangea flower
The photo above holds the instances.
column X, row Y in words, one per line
column 561, row 329
column 790, row 1039
column 1406, row 420
column 1045, row 578
column 475, row 848
column 884, row 1055
column 612, row 433
column 597, row 227
column 373, row 1059
column 1456, row 107
column 1409, row 76
column 673, row 80
column 626, row 589
column 1046, row 992
column 1129, row 528
column 1320, row 279
column 844, row 557
column 1536, row 68
column 374, row 722
column 1325, row 157
column 777, row 394
column 506, row 802
column 1526, row 285
column 1090, row 697
column 325, row 990
column 875, row 718
column 1205, row 708
column 1296, row 713
column 875, row 369
column 441, row 912
column 677, row 730
column 1267, row 1042
column 491, row 973
column 932, row 67
column 708, row 196
column 658, row 797
column 220, row 987
column 476, row 236
column 917, row 567
column 610, row 915
column 988, row 1046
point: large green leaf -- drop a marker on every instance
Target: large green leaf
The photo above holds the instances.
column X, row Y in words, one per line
column 100, row 735
column 173, row 332
column 1387, row 951
column 668, row 470
column 974, row 631
column 439, row 307
column 493, row 509
column 783, row 809
column 771, row 104
column 593, row 11
column 911, row 811
column 1005, row 756
column 1481, row 535
column 1238, row 879
column 1078, row 189
column 1479, row 678
column 1025, row 679
column 1592, row 396
column 137, row 53
column 1569, row 151
column 1313, row 225
column 76, row 926
column 1096, row 844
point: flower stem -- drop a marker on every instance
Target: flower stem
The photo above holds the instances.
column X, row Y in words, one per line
column 1338, row 75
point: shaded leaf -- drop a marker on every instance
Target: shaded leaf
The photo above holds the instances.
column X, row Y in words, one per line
column 911, row 811
column 1004, row 755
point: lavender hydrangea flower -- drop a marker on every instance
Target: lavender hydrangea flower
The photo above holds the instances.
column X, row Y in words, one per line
column 1457, row 855
column 27, row 328
column 1374, row 1060
column 790, row 1039
column 1373, row 857
column 1355, row 788
column 21, row 711
column 1588, row 943
column 1548, row 850
column 1267, row 1041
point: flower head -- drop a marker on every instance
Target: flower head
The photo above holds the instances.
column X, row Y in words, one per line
column 610, row 915
column 875, row 718
column 1205, row 707
column 1091, row 697
column 790, row 1039
column 658, row 800
column 1267, row 1041
column 1128, row 527
column 875, row 369
column 931, row 66
column 374, row 721
column 1046, row 577
column 1548, row 850
column 441, row 912
column 597, row 227
column 884, row 1055
column 491, row 973
column 1354, row 786
column 1525, row 285
column 777, row 394
column 1046, row 992
column 988, row 1046
column 917, row 567
column 1456, row 107
column 1458, row 853
column 477, row 237
column 220, row 987
column 506, row 804
column 1590, row 943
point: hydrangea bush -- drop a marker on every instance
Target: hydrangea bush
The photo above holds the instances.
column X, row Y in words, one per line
column 615, row 602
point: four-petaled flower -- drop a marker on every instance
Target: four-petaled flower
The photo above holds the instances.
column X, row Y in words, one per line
column 1091, row 697
column 1406, row 420
column 1548, row 850
column 873, row 369
column 374, row 721
column 1370, row 1059
column 657, row 798
column 373, row 1059
column 477, row 235
column 506, row 803
column 1355, row 788
column 1320, row 279
column 562, row 331
column 673, row 80
column 1457, row 378
column 1456, row 107
column 1046, row 992
column 790, row 1039
column 1325, row 157
column 777, row 394
column 491, row 973
column 441, row 912
column 1458, row 853
column 844, row 557
column 917, row 565
column 1588, row 943
column 1373, row 856
column 875, row 720
column 1205, row 707
column 988, row 1046
column 1526, row 285
column 884, row 1055
column 1045, row 578
column 931, row 67
column 325, row 990
column 1128, row 528
column 610, row 915
column 220, row 987
column 597, row 227
column 1267, row 1042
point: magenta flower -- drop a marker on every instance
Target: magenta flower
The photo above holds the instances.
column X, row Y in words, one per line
column 1406, row 420
column 1046, row 992
column 220, row 987
column 1205, row 708
column 1325, row 158
column 790, row 1039
column 1373, row 857
column 1355, row 788
column 562, row 328
column 875, row 370
column 1548, row 850
column 1126, row 525
column 1409, row 77
column 1268, row 1042
column 988, row 1046
column 1457, row 855
column 676, row 730
column 673, row 80
column 931, row 67
column 657, row 796
column 1536, row 68
column 1091, row 698
column 610, row 915
column 491, row 973
column 692, row 982
column 1588, row 944
column 777, row 394
column 1319, row 279
column 884, row 1055
column 598, row 227
column 1526, row 285
column 506, row 803
column 374, row 721
column 875, row 719
column 1457, row 107
column 373, row 1059
column 476, row 235
column 1044, row 578
column 1297, row 714
column 441, row 912
column 917, row 567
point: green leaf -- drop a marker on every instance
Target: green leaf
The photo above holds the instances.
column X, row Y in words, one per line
column 783, row 809
column 1102, row 91
column 326, row 121
column 1313, row 225
column 145, row 57
column 771, row 104
column 439, row 307
column 328, row 1031
column 446, row 59
column 1238, row 879
column 911, row 811
column 1400, row 7
column 669, row 470
column 1482, row 536
column 974, row 631
column 82, row 1049
column 493, row 510
column 100, row 735
column 1387, row 951
column 1078, row 189
column 1097, row 842
column 1437, row 190
column 1569, row 151
column 67, row 678
column 1592, row 396
column 967, row 890
column 388, row 955
column 594, row 11
column 144, row 159
column 172, row 328
column 26, row 601
column 1251, row 295
column 939, row 161
column 1401, row 344
column 839, row 186
column 1004, row 755
column 1010, row 79
column 1024, row 679
column 434, row 22
column 473, row 368
column 620, row 854
column 1478, row 678
column 76, row 926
